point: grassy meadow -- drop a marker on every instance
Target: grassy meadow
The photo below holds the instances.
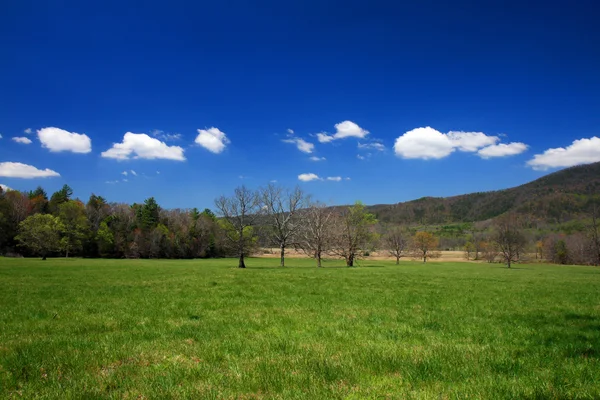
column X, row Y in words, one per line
column 133, row 329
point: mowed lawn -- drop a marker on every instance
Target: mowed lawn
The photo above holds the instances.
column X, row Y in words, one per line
column 205, row 329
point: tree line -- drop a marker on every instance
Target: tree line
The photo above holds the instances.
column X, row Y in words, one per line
column 33, row 224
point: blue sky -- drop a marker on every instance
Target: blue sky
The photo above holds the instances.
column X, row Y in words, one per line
column 443, row 98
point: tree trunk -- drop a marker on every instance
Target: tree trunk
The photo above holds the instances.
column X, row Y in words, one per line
column 318, row 256
column 242, row 264
column 350, row 261
column 397, row 260
column 282, row 257
column 424, row 257
column 44, row 257
column 508, row 263
column 67, row 253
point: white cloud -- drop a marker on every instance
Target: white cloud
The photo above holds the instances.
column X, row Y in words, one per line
column 425, row 143
column 309, row 177
column 133, row 173
column 125, row 180
column 428, row 143
column 502, row 150
column 28, row 131
column 112, row 182
column 301, row 144
column 334, row 178
column 165, row 136
column 361, row 157
column 212, row 139
column 19, row 170
column 471, row 141
column 22, row 140
column 373, row 145
column 582, row 151
column 124, row 173
column 347, row 178
column 290, row 131
column 56, row 140
column 0, row 136
column 315, row 158
column 5, row 188
column 140, row 145
column 343, row 130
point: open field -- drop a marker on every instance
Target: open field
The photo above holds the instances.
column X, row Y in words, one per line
column 202, row 329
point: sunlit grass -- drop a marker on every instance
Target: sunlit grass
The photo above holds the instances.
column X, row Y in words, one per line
column 204, row 329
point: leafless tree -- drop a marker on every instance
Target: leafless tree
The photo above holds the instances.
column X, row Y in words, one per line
column 509, row 238
column 282, row 207
column 594, row 233
column 240, row 213
column 396, row 242
column 315, row 237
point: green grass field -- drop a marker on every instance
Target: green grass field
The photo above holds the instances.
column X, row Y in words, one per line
column 204, row 329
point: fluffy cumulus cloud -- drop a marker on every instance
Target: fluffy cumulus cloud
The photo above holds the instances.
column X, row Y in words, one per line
column 334, row 178
column 301, row 144
column 428, row 143
column 140, row 145
column 28, row 131
column 133, row 173
column 582, row 151
column 471, row 141
column 315, row 158
column 56, row 140
column 344, row 129
column 502, row 150
column 308, row 177
column 425, row 143
column 212, row 139
column 19, row 170
column 22, row 140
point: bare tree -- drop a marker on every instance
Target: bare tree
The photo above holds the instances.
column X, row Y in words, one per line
column 594, row 233
column 509, row 238
column 396, row 242
column 282, row 207
column 240, row 213
column 353, row 233
column 315, row 237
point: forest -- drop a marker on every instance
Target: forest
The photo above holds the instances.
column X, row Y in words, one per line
column 35, row 224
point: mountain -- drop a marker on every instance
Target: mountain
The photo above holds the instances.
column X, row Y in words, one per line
column 554, row 198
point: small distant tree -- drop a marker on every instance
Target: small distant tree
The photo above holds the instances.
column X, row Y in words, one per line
column 41, row 234
column 316, row 235
column 281, row 207
column 396, row 241
column 470, row 249
column 509, row 238
column 354, row 233
column 489, row 251
column 425, row 245
column 240, row 213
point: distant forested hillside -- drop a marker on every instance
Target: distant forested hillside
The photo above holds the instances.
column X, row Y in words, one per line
column 556, row 198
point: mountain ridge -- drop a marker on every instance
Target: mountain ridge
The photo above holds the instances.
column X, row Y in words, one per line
column 555, row 198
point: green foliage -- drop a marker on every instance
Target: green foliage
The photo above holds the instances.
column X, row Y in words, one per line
column 148, row 214
column 41, row 234
column 198, row 329
column 75, row 223
column 105, row 239
column 60, row 197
